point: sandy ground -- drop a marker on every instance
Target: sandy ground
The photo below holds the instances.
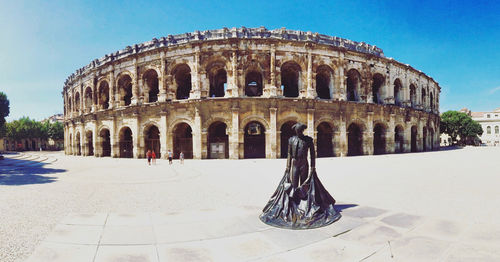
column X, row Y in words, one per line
column 37, row 190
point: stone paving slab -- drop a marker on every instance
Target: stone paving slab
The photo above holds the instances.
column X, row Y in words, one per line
column 56, row 252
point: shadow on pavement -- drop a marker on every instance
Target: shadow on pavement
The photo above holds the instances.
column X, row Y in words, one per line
column 16, row 172
column 341, row 208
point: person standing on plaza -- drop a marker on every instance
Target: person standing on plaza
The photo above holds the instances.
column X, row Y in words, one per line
column 148, row 155
column 170, row 157
column 153, row 155
column 181, row 157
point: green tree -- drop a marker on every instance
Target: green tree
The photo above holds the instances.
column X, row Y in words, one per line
column 56, row 131
column 4, row 112
column 458, row 124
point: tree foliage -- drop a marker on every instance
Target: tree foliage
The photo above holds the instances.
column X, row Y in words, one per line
column 30, row 128
column 4, row 112
column 458, row 124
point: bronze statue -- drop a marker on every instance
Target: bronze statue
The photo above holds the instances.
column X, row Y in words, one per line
column 300, row 201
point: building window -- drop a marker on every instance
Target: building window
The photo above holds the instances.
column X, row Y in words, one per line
column 488, row 116
column 496, row 130
column 488, row 130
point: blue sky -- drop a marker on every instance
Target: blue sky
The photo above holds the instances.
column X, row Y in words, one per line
column 42, row 42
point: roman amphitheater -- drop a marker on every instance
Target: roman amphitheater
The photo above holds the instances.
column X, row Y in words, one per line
column 235, row 93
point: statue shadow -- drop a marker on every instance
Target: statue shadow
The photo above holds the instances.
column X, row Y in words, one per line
column 15, row 172
column 342, row 207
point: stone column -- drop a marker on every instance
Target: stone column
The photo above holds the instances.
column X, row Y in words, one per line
column 310, row 122
column 342, row 145
column 114, row 139
column 407, row 138
column 97, row 142
column 204, row 143
column 368, row 135
column 234, row 141
column 389, row 135
column 162, row 85
column 111, row 89
column 271, row 90
column 273, row 133
column 137, row 137
column 232, row 89
column 163, row 135
column 135, row 85
column 340, row 80
column 197, row 135
column 195, row 77
column 310, row 92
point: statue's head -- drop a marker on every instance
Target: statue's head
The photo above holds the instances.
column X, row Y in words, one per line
column 299, row 128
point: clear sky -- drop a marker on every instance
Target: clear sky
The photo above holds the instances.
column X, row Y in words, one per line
column 42, row 42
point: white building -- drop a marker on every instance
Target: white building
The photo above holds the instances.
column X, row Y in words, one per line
column 490, row 122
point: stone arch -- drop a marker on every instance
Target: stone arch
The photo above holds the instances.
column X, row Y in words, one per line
column 291, row 78
column 253, row 83
column 253, row 118
column 152, row 139
column 124, row 87
column 71, row 143
column 398, row 92
column 354, row 139
column 286, row 132
column 89, row 143
column 182, row 135
column 254, row 140
column 77, row 102
column 379, row 138
column 151, row 85
column 69, row 102
column 378, row 88
column 399, row 139
column 325, row 139
column 423, row 101
column 424, row 139
column 217, row 78
column 77, row 144
column 217, row 140
column 431, row 101
column 414, row 135
column 181, row 74
column 413, row 95
column 431, row 138
column 125, row 142
column 324, row 82
column 88, row 99
column 105, row 141
column 103, row 94
column 353, row 85
column 178, row 121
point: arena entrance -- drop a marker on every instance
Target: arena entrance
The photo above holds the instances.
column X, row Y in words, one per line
column 413, row 139
column 324, row 142
column 424, row 140
column 379, row 139
column 183, row 140
column 125, row 144
column 286, row 133
column 89, row 143
column 152, row 140
column 398, row 139
column 354, row 140
column 218, row 141
column 78, row 146
column 254, row 140
column 105, row 142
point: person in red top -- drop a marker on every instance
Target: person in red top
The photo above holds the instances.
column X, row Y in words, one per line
column 153, row 155
column 149, row 155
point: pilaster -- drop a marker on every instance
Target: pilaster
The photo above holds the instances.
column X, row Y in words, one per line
column 272, row 132
column 234, row 140
column 197, row 135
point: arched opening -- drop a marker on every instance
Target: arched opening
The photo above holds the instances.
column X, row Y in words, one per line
column 33, row 145
column 103, row 95
column 152, row 140
column 324, row 83
column 379, row 140
column 125, row 90
column 398, row 139
column 151, row 83
column 413, row 95
column 218, row 81
column 290, row 77
column 431, row 101
column 26, row 145
column 69, row 105
column 253, row 84
column 423, row 98
column 414, row 139
column 397, row 92
column 89, row 143
column 254, row 140
column 378, row 88
column 488, row 130
column 431, row 139
column 70, row 144
column 105, row 142
column 324, row 142
column 353, row 85
column 354, row 140
column 182, row 75
column 424, row 139
column 286, row 133
column 77, row 143
column 496, row 130
column 88, row 100
column 183, row 140
column 218, row 141
column 126, row 143
column 77, row 102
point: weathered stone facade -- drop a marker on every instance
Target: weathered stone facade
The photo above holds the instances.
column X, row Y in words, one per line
column 234, row 93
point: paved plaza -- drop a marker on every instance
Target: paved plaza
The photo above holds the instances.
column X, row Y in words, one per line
column 432, row 206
